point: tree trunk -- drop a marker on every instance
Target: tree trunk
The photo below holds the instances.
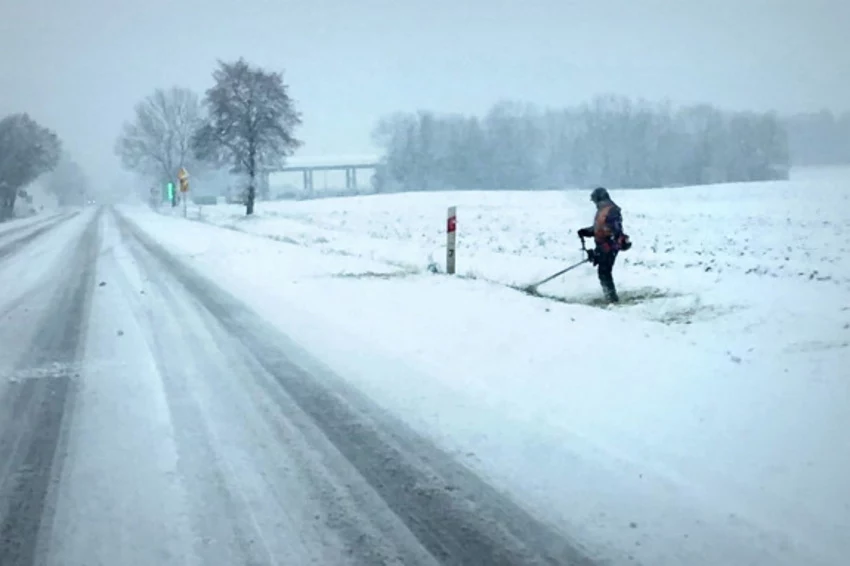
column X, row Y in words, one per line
column 7, row 203
column 252, row 185
column 249, row 202
column 7, row 209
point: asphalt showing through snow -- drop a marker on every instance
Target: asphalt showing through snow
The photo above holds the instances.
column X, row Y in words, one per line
column 32, row 410
column 275, row 459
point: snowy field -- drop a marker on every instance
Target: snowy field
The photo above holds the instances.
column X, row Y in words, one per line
column 702, row 421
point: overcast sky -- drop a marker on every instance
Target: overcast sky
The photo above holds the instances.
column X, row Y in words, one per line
column 79, row 66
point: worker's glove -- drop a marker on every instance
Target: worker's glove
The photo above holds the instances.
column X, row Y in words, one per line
column 593, row 257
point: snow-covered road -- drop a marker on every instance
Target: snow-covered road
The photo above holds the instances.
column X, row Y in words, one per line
column 148, row 417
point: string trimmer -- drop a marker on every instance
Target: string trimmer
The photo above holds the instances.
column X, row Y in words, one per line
column 532, row 289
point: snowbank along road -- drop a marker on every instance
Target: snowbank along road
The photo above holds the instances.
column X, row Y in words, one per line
column 148, row 417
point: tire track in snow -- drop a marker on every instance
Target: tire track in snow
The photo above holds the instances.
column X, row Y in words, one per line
column 44, row 226
column 10, row 231
column 312, row 510
column 455, row 515
column 34, row 410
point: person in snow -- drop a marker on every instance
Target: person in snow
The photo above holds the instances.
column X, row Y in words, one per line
column 607, row 233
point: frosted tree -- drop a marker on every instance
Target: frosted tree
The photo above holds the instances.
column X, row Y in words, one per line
column 461, row 153
column 819, row 138
column 395, row 133
column 250, row 124
column 611, row 140
column 157, row 142
column 27, row 151
column 512, row 143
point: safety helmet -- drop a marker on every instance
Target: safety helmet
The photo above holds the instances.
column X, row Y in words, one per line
column 599, row 194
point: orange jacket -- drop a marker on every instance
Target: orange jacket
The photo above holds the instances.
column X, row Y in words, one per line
column 607, row 226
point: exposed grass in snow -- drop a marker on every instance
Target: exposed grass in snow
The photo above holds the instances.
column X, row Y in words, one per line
column 629, row 297
column 372, row 275
column 701, row 421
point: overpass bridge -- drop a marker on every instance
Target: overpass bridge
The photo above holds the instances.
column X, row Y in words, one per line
column 349, row 164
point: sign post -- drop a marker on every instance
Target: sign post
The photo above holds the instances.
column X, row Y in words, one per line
column 183, row 177
column 451, row 240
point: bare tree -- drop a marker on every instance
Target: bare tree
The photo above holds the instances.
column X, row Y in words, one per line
column 27, row 150
column 158, row 140
column 251, row 122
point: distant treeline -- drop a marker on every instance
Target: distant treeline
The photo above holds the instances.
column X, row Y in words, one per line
column 611, row 141
column 820, row 138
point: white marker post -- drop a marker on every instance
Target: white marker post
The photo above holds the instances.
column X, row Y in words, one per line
column 451, row 240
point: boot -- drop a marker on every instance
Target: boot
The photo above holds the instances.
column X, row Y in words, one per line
column 611, row 294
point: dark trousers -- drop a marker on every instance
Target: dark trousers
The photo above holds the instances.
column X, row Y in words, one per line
column 605, row 269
